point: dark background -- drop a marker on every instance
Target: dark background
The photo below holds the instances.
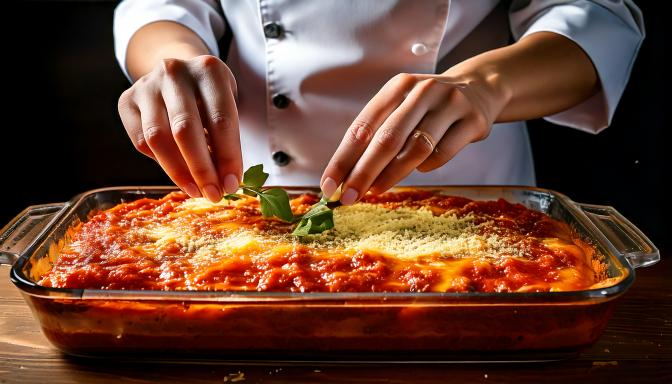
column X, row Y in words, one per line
column 61, row 134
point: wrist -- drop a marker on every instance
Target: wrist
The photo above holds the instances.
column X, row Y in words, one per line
column 161, row 40
column 179, row 50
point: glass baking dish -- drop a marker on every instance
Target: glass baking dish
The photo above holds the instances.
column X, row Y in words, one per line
column 323, row 326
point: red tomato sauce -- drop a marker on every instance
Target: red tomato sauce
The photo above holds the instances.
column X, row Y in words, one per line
column 105, row 254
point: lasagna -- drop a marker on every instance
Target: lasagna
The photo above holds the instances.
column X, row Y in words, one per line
column 410, row 240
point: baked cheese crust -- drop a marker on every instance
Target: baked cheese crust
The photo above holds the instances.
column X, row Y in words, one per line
column 412, row 240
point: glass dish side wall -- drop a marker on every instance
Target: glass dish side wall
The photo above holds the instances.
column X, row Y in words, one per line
column 528, row 325
column 93, row 327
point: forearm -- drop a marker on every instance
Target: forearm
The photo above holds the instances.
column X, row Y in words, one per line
column 542, row 74
column 161, row 40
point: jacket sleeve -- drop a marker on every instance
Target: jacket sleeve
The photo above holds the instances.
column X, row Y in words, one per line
column 201, row 16
column 609, row 31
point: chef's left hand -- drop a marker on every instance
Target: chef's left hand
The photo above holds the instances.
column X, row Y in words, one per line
column 416, row 121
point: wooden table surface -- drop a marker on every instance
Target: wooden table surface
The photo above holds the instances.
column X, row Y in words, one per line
column 636, row 347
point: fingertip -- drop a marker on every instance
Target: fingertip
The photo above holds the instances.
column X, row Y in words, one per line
column 378, row 189
column 349, row 196
column 329, row 187
column 212, row 193
column 425, row 168
column 229, row 176
column 231, row 183
column 192, row 190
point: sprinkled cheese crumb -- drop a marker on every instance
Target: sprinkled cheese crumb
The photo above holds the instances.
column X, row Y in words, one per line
column 408, row 233
column 403, row 232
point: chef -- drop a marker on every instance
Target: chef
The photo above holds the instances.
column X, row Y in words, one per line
column 364, row 94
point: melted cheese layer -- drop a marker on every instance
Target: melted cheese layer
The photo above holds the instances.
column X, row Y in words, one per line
column 405, row 241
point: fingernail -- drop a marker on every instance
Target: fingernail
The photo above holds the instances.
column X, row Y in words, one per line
column 231, row 183
column 329, row 187
column 212, row 193
column 349, row 197
column 192, row 190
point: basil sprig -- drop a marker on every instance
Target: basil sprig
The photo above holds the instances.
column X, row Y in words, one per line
column 318, row 219
column 275, row 202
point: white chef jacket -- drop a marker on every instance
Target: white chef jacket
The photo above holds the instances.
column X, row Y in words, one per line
column 332, row 56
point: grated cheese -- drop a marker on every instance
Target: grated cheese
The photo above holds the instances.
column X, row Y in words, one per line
column 408, row 233
column 405, row 233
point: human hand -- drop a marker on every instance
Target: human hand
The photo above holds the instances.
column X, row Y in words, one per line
column 416, row 121
column 183, row 115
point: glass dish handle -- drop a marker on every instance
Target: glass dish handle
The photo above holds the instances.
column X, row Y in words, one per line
column 25, row 229
column 624, row 236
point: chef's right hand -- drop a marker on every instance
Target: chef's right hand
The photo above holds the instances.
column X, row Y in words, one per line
column 183, row 115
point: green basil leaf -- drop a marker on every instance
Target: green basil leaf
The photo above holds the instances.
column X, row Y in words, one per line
column 315, row 210
column 318, row 219
column 303, row 228
column 275, row 202
column 255, row 176
column 249, row 191
column 321, row 221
